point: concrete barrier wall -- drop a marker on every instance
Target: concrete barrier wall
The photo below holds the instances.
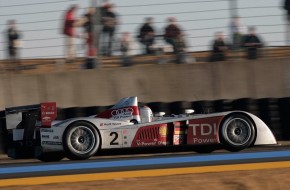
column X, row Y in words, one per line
column 154, row 83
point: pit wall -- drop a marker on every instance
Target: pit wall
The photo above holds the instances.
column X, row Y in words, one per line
column 151, row 83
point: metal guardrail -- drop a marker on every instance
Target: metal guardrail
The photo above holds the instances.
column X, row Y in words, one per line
column 33, row 66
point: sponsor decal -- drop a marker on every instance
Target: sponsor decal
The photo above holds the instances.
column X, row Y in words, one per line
column 122, row 117
column 178, row 139
column 111, row 124
column 149, row 143
column 204, row 129
column 56, row 137
column 51, row 143
column 204, row 141
column 123, row 111
column 46, row 118
column 163, row 131
column 45, row 136
column 48, row 113
column 47, row 130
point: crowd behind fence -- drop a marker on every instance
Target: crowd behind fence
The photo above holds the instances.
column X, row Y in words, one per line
column 42, row 36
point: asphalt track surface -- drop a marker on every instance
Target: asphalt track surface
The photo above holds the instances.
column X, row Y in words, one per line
column 124, row 160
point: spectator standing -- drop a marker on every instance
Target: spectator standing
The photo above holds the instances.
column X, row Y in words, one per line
column 236, row 30
column 126, row 44
column 89, row 32
column 172, row 32
column 287, row 8
column 147, row 35
column 109, row 21
column 181, row 53
column 90, row 37
column 252, row 43
column 69, row 32
column 13, row 43
column 219, row 48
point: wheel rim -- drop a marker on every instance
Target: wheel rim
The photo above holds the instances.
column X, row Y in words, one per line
column 238, row 131
column 82, row 139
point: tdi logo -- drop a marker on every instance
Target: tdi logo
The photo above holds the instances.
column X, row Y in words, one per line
column 203, row 129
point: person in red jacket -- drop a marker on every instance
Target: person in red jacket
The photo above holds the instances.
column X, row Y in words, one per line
column 69, row 31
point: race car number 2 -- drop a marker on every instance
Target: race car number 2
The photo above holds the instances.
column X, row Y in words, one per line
column 114, row 139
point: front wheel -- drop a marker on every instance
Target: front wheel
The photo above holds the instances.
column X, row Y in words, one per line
column 81, row 141
column 237, row 132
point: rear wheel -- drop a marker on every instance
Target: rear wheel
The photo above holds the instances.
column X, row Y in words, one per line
column 237, row 132
column 81, row 141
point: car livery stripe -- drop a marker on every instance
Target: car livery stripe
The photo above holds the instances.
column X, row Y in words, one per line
column 140, row 173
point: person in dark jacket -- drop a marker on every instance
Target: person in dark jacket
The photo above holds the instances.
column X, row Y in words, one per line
column 147, row 35
column 219, row 48
column 252, row 43
column 172, row 32
column 89, row 31
column 287, row 8
column 13, row 37
column 109, row 21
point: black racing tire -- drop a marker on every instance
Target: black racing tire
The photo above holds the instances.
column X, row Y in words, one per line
column 51, row 156
column 203, row 149
column 81, row 140
column 237, row 132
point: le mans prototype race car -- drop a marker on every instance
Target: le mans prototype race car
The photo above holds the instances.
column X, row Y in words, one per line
column 33, row 130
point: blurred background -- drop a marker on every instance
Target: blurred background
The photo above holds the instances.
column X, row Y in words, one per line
column 41, row 23
column 46, row 45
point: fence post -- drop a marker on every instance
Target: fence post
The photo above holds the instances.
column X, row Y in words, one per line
column 233, row 5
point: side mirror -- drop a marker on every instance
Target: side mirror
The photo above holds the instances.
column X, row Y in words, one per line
column 160, row 114
column 189, row 111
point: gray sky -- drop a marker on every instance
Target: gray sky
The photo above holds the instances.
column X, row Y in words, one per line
column 188, row 12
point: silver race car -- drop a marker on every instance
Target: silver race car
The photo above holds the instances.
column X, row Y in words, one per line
column 33, row 130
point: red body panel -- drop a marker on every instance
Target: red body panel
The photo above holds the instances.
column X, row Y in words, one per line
column 153, row 135
column 204, row 131
column 48, row 113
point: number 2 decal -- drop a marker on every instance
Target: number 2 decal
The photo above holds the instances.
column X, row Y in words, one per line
column 115, row 137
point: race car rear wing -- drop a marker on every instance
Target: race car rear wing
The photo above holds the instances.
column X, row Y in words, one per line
column 23, row 124
column 38, row 115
